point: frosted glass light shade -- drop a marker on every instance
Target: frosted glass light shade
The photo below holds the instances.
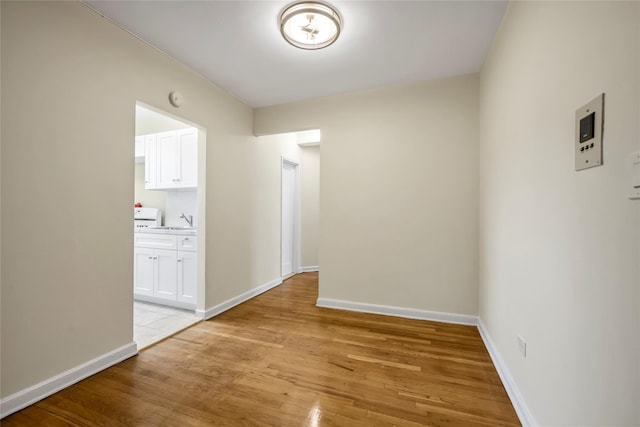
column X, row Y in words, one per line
column 310, row 25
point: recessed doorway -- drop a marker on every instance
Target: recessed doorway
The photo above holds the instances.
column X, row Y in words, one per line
column 168, row 282
column 290, row 214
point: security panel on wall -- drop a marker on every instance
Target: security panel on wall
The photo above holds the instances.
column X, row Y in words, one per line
column 589, row 130
column 634, row 169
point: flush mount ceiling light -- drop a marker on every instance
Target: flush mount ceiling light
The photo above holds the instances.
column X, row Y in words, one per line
column 310, row 25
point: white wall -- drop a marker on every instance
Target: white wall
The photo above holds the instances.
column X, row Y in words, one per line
column 149, row 121
column 559, row 249
column 148, row 198
column 178, row 203
column 66, row 281
column 398, row 194
column 310, row 206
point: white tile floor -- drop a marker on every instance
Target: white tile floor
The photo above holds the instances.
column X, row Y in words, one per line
column 152, row 322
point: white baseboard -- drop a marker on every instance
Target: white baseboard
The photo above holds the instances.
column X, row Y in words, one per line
column 222, row 307
column 410, row 313
column 309, row 268
column 163, row 301
column 519, row 404
column 31, row 395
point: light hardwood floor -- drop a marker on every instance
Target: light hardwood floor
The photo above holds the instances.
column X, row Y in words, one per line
column 278, row 360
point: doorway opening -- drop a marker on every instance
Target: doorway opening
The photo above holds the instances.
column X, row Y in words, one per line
column 169, row 219
column 290, row 219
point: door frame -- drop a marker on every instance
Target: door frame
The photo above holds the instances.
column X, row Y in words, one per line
column 201, row 197
column 295, row 268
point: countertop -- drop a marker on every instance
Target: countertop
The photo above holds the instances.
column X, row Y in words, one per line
column 183, row 231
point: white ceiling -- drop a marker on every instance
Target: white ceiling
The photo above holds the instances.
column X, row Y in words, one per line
column 238, row 46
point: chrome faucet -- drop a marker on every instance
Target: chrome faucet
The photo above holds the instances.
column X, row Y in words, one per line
column 188, row 218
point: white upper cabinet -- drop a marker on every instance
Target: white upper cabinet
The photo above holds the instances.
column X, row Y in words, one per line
column 150, row 162
column 167, row 160
column 171, row 160
column 188, row 143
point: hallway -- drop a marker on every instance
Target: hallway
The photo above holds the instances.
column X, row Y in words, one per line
column 278, row 360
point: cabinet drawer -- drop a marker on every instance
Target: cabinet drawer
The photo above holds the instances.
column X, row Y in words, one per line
column 187, row 243
column 156, row 241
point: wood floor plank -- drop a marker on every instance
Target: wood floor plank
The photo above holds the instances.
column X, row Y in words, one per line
column 384, row 362
column 278, row 360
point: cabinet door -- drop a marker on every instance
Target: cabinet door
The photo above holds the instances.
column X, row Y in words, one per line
column 188, row 147
column 187, row 276
column 155, row 240
column 143, row 271
column 168, row 159
column 150, row 162
column 187, row 243
column 166, row 274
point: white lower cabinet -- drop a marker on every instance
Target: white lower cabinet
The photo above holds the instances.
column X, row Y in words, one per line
column 143, row 271
column 166, row 269
column 166, row 274
column 187, row 276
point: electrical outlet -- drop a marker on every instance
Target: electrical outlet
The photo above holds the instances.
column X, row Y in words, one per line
column 522, row 346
